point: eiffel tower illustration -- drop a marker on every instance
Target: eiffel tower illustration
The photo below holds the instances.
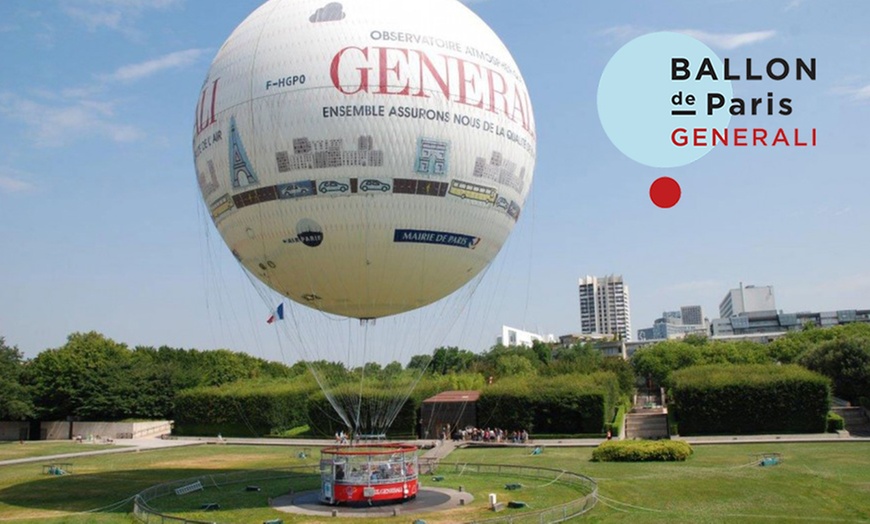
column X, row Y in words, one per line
column 241, row 166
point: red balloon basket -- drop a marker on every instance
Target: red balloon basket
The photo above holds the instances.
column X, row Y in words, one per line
column 368, row 474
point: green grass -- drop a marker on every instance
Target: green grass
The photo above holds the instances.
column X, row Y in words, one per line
column 40, row 448
column 818, row 482
column 815, row 482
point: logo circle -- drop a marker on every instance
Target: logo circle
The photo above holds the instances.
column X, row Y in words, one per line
column 636, row 98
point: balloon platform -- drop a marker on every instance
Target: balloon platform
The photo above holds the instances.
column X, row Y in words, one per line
column 427, row 500
column 367, row 474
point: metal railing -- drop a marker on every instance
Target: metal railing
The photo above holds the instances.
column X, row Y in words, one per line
column 553, row 514
column 143, row 512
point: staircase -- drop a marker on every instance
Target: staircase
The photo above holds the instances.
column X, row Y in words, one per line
column 857, row 423
column 646, row 424
column 647, row 418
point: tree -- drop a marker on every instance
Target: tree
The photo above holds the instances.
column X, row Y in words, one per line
column 419, row 362
column 451, row 360
column 846, row 361
column 513, row 365
column 87, row 377
column 15, row 400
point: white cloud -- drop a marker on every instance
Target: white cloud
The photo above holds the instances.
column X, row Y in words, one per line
column 794, row 4
column 177, row 59
column 10, row 182
column 728, row 40
column 59, row 124
column 858, row 94
column 622, row 33
column 116, row 15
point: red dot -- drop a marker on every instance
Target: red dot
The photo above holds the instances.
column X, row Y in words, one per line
column 665, row 192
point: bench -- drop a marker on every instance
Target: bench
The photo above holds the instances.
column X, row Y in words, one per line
column 517, row 504
column 183, row 490
column 512, row 486
column 210, row 506
column 498, row 506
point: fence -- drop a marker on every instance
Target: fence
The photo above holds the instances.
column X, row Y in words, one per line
column 145, row 513
column 550, row 515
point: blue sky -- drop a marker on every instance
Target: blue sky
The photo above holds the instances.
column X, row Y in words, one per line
column 102, row 225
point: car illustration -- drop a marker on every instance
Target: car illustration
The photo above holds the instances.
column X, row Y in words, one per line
column 514, row 210
column 296, row 189
column 374, row 185
column 330, row 186
column 502, row 202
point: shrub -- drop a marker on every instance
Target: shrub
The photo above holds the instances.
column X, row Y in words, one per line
column 245, row 408
column 373, row 404
column 835, row 422
column 642, row 451
column 566, row 404
column 750, row 399
column 846, row 361
column 615, row 427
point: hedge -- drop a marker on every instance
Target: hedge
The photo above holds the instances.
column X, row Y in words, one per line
column 567, row 404
column 371, row 402
column 749, row 399
column 641, row 451
column 835, row 423
column 242, row 409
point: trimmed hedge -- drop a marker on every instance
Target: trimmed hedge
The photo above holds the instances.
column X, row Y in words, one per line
column 324, row 421
column 750, row 399
column 615, row 427
column 567, row 404
column 242, row 409
column 641, row 451
column 835, row 422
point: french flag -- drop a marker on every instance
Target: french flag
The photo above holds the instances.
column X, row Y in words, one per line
column 277, row 315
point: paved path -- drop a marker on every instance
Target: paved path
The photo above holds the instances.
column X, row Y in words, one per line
column 120, row 446
column 435, row 449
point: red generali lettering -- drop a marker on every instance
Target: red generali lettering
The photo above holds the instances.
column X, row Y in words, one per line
column 743, row 137
column 205, row 108
column 413, row 72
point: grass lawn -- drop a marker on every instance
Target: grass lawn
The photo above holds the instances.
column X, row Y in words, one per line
column 815, row 482
column 824, row 482
column 40, row 448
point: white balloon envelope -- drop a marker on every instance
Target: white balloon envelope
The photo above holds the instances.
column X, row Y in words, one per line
column 367, row 157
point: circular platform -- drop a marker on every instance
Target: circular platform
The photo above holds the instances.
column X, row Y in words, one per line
column 427, row 499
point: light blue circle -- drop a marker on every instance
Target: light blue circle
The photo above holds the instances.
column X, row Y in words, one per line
column 635, row 99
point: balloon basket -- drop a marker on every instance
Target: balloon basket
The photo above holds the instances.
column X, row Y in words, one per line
column 368, row 474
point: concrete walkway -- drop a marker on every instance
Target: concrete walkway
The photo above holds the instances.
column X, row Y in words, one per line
column 436, row 450
column 120, row 446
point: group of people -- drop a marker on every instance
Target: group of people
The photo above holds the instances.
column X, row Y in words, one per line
column 374, row 472
column 497, row 435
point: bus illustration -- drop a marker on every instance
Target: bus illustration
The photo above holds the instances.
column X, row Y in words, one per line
column 221, row 206
column 477, row 192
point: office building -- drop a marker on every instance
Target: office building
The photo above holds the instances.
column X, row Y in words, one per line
column 673, row 324
column 604, row 306
column 773, row 322
column 517, row 337
column 746, row 300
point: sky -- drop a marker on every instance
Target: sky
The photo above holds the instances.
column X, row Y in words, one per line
column 103, row 227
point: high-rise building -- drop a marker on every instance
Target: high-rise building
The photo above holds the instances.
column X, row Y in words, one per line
column 692, row 315
column 604, row 306
column 676, row 324
column 747, row 299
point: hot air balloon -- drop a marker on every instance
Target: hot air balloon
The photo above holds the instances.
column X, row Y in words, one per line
column 363, row 158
